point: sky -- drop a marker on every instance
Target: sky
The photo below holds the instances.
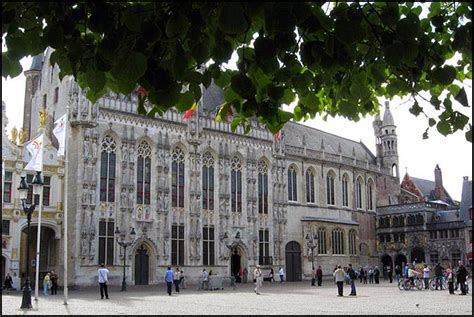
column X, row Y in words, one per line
column 417, row 156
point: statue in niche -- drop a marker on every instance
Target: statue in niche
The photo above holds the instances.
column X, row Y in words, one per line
column 89, row 196
column 130, row 198
column 147, row 213
column 94, row 149
column 84, row 243
column 165, row 247
column 123, row 197
column 131, row 152
column 160, row 202
column 86, row 149
column 222, row 207
column 124, row 151
column 254, row 247
column 166, row 203
column 84, row 195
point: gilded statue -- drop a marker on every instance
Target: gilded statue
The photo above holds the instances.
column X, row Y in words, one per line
column 13, row 133
column 21, row 136
column 43, row 115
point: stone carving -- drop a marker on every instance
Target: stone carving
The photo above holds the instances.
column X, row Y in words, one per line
column 124, row 198
column 14, row 134
column 84, row 242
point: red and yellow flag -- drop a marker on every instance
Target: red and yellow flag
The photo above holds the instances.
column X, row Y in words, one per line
column 189, row 113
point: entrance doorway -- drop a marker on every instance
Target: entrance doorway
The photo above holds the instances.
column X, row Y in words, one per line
column 400, row 259
column 142, row 264
column 386, row 264
column 293, row 261
column 418, row 255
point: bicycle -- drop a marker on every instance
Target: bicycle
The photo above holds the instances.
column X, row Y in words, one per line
column 417, row 283
column 443, row 285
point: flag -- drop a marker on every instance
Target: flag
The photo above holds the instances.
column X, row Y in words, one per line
column 60, row 133
column 36, row 150
column 189, row 113
column 276, row 136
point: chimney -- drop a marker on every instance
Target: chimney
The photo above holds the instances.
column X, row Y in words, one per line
column 439, row 191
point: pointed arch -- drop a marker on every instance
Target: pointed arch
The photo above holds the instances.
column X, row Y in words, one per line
column 359, row 192
column 108, row 162
column 177, row 177
column 292, row 183
column 310, row 185
column 262, row 174
column 236, row 166
column 330, row 188
column 337, row 241
column 345, row 189
column 370, row 194
column 144, row 154
column 208, row 162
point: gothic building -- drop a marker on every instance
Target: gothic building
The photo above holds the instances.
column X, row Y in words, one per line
column 196, row 194
column 425, row 227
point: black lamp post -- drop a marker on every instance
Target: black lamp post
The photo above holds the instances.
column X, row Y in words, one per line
column 123, row 243
column 23, row 189
column 312, row 242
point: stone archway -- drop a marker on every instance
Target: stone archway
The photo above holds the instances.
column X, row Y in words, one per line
column 142, row 265
column 400, row 259
column 417, row 254
column 238, row 261
column 293, row 261
column 143, row 259
column 386, row 264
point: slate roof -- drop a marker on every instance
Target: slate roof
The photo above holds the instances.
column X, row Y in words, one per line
column 466, row 200
column 314, row 138
column 37, row 62
column 387, row 116
column 212, row 97
column 427, row 189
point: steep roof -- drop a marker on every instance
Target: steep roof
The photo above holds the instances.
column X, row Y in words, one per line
column 466, row 199
column 212, row 97
column 314, row 139
column 37, row 62
column 427, row 188
column 387, row 116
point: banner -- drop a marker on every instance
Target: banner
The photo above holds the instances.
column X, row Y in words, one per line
column 60, row 133
column 36, row 150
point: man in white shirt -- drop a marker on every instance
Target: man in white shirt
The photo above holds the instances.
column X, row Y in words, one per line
column 205, row 279
column 103, row 279
column 426, row 276
column 177, row 279
column 281, row 273
column 257, row 275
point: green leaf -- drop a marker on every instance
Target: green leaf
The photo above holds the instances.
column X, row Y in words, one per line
column 96, row 80
column 10, row 67
column 443, row 127
column 235, row 123
column 232, row 19
column 416, row 109
column 444, row 75
column 461, row 97
column 185, row 101
column 130, row 67
column 176, row 25
column 431, row 122
column 468, row 135
column 243, row 86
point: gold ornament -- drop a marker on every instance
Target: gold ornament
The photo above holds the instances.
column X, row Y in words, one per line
column 21, row 136
column 43, row 115
column 13, row 134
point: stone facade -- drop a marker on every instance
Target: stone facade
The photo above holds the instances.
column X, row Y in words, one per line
column 181, row 219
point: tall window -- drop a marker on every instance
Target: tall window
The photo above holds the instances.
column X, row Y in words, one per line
column 208, row 181
column 262, row 188
column 371, row 196
column 46, row 190
column 337, row 241
column 310, row 186
column 352, row 242
column 330, row 189
column 6, row 227
column 177, row 245
column 143, row 173
column 322, row 245
column 7, row 187
column 45, row 100
column 345, row 193
column 208, row 245
column 177, row 178
column 236, row 184
column 107, row 169
column 264, row 247
column 292, row 189
column 359, row 193
column 106, row 242
column 56, row 94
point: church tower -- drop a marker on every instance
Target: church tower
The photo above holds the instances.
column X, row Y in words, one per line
column 386, row 141
column 33, row 77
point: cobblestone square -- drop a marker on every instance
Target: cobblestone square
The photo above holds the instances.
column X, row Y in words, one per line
column 285, row 299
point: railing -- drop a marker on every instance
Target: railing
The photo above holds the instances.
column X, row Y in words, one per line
column 265, row 260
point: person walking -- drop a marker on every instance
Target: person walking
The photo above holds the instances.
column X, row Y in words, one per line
column 366, row 274
column 46, row 283
column 376, row 275
column 339, row 278
column 353, row 277
column 54, row 283
column 8, row 283
column 181, row 280
column 439, row 276
column 103, row 279
column 390, row 274
column 462, row 278
column 361, row 274
column 398, row 272
column 281, row 273
column 313, row 277
column 271, row 276
column 319, row 275
column 371, row 275
column 205, row 279
column 411, row 274
column 177, row 279
column 257, row 275
column 405, row 270
column 169, row 278
column 426, row 275
column 450, row 276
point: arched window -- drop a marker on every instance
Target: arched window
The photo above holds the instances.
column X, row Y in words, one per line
column 352, row 242
column 262, row 170
column 395, row 221
column 236, row 184
column 143, row 173
column 337, row 241
column 107, row 169
column 345, row 194
column 310, row 186
column 394, row 170
column 330, row 189
column 370, row 194
column 359, row 185
column 292, row 196
column 322, row 245
column 177, row 178
column 207, row 181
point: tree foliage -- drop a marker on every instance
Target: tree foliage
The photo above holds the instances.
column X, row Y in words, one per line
column 333, row 59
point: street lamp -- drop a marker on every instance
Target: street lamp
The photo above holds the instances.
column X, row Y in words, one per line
column 312, row 243
column 122, row 242
column 23, row 190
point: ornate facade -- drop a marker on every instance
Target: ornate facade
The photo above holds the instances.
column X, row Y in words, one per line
column 199, row 195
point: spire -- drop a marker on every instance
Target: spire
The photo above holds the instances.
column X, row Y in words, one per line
column 387, row 116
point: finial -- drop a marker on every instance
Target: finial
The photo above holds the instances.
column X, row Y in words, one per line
column 43, row 115
column 387, row 104
column 13, row 134
column 21, row 136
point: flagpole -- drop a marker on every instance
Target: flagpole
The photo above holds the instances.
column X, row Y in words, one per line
column 65, row 237
column 38, row 244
